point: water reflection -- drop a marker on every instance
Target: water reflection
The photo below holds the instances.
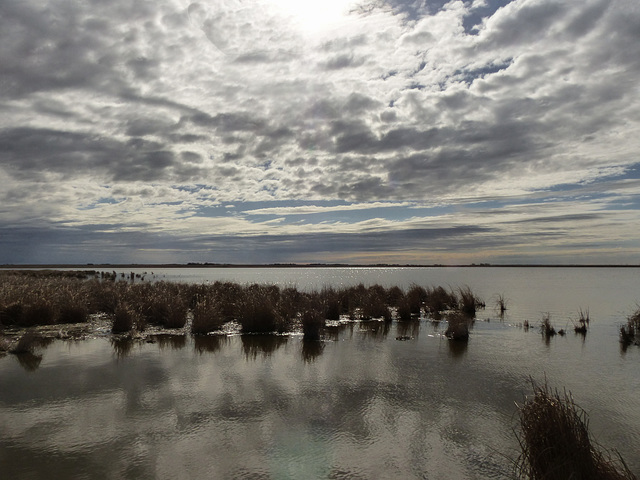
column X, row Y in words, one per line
column 28, row 350
column 209, row 343
column 410, row 328
column 457, row 349
column 265, row 345
column 375, row 329
column 311, row 349
column 122, row 346
column 171, row 341
column 333, row 332
column 29, row 361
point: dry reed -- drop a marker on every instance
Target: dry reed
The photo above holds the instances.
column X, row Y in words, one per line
column 556, row 444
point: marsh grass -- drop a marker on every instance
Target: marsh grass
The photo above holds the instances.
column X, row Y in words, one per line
column 459, row 324
column 546, row 328
column 469, row 303
column 207, row 316
column 583, row 320
column 126, row 319
column 556, row 444
column 29, row 300
column 313, row 323
column 501, row 304
column 257, row 311
column 630, row 332
column 439, row 300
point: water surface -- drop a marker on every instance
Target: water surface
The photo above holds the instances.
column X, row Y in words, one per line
column 361, row 404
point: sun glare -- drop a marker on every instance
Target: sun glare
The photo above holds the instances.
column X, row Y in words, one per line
column 314, row 17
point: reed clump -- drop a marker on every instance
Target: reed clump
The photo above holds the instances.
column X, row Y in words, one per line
column 126, row 319
column 207, row 316
column 501, row 304
column 546, row 328
column 313, row 323
column 583, row 320
column 556, row 444
column 630, row 332
column 458, row 326
column 469, row 302
column 439, row 300
column 257, row 311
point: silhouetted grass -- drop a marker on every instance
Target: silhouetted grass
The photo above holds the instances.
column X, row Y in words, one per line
column 583, row 321
column 124, row 319
column 501, row 304
column 257, row 310
column 458, row 326
column 469, row 302
column 439, row 300
column 546, row 328
column 312, row 324
column 630, row 332
column 556, row 444
column 207, row 316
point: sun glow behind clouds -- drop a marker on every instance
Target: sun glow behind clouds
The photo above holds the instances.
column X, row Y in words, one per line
column 313, row 17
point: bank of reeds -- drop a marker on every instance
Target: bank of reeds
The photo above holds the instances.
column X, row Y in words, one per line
column 31, row 300
column 556, row 444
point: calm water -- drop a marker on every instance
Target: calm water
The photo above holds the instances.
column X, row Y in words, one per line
column 360, row 405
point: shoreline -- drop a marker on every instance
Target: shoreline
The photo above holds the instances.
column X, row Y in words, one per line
column 91, row 266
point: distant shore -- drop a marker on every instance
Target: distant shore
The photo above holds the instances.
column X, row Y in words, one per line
column 94, row 266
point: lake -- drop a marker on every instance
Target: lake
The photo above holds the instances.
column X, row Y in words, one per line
column 361, row 404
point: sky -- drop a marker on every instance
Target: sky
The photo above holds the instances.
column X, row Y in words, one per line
column 281, row 131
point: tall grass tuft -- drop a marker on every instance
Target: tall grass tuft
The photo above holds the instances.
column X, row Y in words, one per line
column 501, row 304
column 458, row 326
column 257, row 310
column 556, row 444
column 469, row 302
column 583, row 321
column 312, row 324
column 546, row 328
column 630, row 332
column 207, row 316
column 439, row 300
column 125, row 319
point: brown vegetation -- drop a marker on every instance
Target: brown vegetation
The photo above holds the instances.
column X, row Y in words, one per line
column 458, row 326
column 30, row 299
column 556, row 444
column 630, row 333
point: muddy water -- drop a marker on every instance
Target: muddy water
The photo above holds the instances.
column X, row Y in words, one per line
column 361, row 404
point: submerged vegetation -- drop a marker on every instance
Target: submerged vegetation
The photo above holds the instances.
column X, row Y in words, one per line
column 556, row 444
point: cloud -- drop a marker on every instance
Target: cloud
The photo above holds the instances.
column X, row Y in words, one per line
column 397, row 104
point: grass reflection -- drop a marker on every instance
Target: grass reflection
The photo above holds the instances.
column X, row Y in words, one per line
column 173, row 342
column 311, row 350
column 265, row 345
column 209, row 343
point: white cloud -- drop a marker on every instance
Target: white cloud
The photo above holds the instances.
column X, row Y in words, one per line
column 181, row 106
